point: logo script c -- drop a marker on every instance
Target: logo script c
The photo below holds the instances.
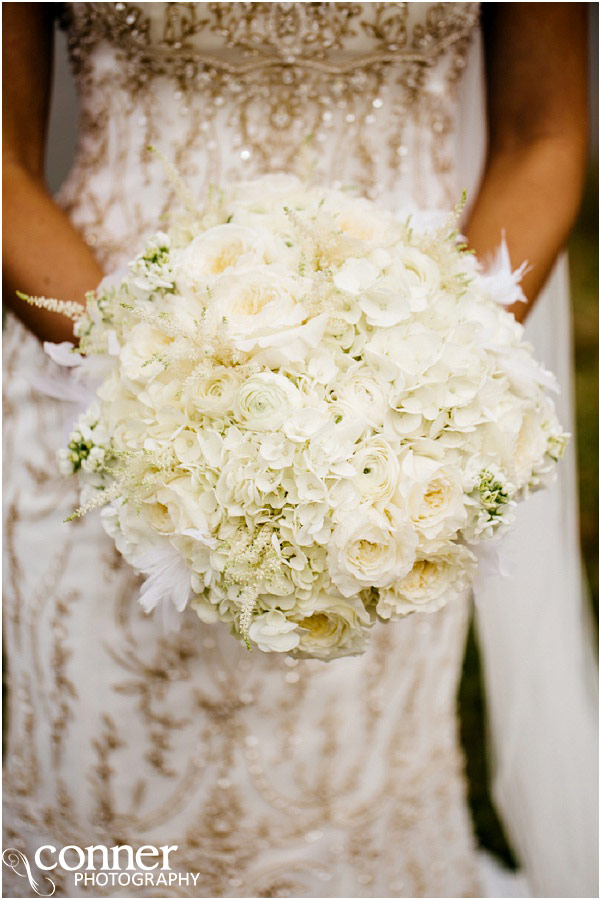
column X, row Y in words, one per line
column 14, row 859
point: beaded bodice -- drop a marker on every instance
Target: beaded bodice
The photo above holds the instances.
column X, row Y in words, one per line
column 351, row 94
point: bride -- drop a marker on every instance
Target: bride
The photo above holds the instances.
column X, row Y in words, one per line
column 268, row 776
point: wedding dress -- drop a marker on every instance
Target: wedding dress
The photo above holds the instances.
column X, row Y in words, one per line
column 273, row 776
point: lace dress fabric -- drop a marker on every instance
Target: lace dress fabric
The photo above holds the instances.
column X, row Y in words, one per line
column 274, row 777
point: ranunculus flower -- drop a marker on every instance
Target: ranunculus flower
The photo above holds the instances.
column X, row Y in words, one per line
column 214, row 394
column 265, row 401
column 378, row 470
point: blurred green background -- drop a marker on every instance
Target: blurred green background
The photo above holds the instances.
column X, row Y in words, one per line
column 584, row 277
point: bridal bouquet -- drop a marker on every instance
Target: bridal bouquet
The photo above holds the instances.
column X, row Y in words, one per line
column 306, row 414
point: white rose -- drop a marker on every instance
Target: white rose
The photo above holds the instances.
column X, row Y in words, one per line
column 430, row 584
column 217, row 250
column 273, row 632
column 332, row 626
column 264, row 401
column 177, row 507
column 249, row 301
column 378, row 470
column 433, row 495
column 371, row 549
column 262, row 313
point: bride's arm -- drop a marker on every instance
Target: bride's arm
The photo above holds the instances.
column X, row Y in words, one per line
column 43, row 253
column 537, row 129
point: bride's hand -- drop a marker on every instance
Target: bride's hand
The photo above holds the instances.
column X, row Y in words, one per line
column 43, row 253
column 536, row 70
